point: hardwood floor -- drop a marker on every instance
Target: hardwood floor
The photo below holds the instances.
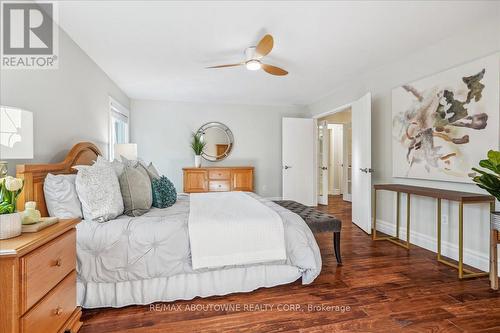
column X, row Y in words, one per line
column 381, row 287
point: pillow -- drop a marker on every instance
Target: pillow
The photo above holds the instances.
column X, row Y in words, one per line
column 116, row 165
column 135, row 187
column 164, row 193
column 152, row 172
column 61, row 197
column 99, row 192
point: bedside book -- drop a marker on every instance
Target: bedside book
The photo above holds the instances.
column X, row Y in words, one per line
column 44, row 223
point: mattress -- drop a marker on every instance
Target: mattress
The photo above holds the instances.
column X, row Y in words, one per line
column 140, row 260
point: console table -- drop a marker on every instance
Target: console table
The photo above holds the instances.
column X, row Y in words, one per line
column 461, row 197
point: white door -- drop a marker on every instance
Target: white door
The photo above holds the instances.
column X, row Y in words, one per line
column 347, row 162
column 299, row 157
column 361, row 163
column 324, row 161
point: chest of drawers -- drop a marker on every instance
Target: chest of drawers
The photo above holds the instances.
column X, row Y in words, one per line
column 38, row 281
column 218, row 179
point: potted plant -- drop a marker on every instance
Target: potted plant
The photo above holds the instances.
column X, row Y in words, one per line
column 197, row 145
column 10, row 220
column 490, row 181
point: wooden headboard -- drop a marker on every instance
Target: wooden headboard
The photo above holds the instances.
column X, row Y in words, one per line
column 83, row 153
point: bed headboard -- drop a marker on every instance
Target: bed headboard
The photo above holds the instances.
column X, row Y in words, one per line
column 83, row 153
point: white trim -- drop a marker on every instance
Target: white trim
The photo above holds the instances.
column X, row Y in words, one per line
column 273, row 198
column 472, row 258
column 336, row 191
column 117, row 110
column 333, row 111
column 117, row 107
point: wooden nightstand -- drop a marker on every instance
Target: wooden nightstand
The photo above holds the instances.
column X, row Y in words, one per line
column 38, row 281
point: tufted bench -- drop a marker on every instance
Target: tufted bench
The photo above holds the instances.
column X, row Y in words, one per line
column 317, row 221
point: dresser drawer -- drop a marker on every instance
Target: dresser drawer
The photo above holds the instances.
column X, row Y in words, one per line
column 53, row 310
column 219, row 174
column 43, row 268
column 219, row 185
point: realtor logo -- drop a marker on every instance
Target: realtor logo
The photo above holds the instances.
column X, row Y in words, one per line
column 29, row 35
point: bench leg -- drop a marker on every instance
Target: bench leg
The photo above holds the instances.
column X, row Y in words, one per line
column 336, row 246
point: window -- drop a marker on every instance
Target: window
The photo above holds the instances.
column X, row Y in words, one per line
column 118, row 125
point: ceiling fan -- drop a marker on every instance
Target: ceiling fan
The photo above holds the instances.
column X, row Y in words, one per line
column 254, row 55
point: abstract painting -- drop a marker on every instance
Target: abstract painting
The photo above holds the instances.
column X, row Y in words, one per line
column 444, row 125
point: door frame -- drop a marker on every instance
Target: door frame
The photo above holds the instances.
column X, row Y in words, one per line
column 326, row 176
column 316, row 118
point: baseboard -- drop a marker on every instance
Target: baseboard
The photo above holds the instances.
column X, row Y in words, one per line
column 472, row 258
column 335, row 192
column 274, row 198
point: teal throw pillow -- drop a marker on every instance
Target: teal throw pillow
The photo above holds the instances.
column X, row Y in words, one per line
column 164, row 193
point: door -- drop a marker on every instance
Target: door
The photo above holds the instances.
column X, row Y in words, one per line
column 347, row 162
column 195, row 181
column 361, row 163
column 299, row 158
column 324, row 161
column 242, row 180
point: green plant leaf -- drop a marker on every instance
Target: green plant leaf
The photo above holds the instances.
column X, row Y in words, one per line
column 494, row 157
column 487, row 164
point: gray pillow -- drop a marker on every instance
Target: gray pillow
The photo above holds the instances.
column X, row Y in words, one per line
column 135, row 186
column 152, row 172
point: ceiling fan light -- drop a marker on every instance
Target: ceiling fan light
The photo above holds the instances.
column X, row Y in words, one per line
column 253, row 65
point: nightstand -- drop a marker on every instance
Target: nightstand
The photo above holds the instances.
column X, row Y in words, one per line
column 38, row 281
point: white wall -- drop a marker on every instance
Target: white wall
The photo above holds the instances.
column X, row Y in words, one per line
column 163, row 131
column 69, row 104
column 474, row 43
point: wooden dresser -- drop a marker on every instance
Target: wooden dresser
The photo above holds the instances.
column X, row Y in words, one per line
column 218, row 179
column 38, row 281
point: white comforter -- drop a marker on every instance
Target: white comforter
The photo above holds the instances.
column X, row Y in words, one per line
column 156, row 245
column 233, row 228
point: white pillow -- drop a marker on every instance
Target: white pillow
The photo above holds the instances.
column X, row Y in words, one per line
column 61, row 197
column 99, row 192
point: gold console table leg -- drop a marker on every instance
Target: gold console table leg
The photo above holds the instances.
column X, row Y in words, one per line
column 394, row 240
column 463, row 273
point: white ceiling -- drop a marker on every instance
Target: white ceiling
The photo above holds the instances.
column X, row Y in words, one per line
column 158, row 49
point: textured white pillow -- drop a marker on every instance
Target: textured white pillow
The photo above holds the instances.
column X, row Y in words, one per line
column 61, row 197
column 99, row 192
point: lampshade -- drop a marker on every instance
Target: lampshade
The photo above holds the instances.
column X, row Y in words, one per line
column 127, row 150
column 16, row 133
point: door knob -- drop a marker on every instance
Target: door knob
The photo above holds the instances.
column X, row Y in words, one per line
column 366, row 170
column 324, row 168
column 287, row 167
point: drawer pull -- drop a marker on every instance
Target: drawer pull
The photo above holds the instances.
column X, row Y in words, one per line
column 58, row 262
column 220, row 185
column 58, row 311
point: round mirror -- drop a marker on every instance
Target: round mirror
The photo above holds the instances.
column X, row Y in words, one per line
column 218, row 140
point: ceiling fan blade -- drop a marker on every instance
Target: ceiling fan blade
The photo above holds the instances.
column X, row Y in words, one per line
column 228, row 65
column 274, row 70
column 264, row 46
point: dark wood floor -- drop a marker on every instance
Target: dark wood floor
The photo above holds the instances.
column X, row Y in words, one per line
column 385, row 288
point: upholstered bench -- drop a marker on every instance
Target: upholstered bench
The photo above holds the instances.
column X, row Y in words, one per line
column 317, row 222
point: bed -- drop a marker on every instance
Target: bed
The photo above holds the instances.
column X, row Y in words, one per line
column 147, row 259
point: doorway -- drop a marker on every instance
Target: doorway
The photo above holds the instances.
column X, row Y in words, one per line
column 335, row 156
column 357, row 159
